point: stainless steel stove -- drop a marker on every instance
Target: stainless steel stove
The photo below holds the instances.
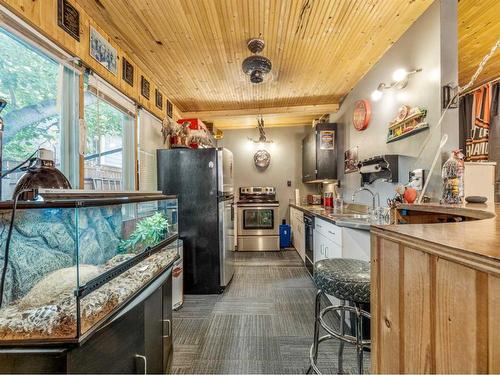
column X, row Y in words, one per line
column 258, row 219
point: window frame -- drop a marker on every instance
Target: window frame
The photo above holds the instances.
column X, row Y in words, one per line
column 68, row 87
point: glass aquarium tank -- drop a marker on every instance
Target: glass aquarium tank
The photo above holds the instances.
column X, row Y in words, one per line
column 73, row 261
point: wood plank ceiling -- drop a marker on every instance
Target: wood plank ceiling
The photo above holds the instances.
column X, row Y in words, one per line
column 478, row 30
column 319, row 48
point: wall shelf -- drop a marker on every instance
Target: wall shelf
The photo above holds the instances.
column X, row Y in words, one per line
column 419, row 128
column 409, row 121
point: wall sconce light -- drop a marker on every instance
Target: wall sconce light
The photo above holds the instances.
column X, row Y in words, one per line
column 400, row 80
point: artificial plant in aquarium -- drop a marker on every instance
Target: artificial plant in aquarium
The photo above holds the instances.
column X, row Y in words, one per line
column 149, row 232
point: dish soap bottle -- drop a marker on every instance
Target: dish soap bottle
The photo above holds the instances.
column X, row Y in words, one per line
column 453, row 176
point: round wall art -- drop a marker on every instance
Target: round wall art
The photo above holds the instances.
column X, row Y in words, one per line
column 361, row 114
column 262, row 159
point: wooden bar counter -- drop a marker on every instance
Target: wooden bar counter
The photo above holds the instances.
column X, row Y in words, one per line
column 436, row 291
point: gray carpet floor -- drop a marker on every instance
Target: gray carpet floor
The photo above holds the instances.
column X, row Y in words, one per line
column 262, row 323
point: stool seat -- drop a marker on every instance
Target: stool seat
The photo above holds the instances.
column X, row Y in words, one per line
column 346, row 279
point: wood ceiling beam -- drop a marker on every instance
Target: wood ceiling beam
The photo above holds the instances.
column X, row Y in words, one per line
column 318, row 109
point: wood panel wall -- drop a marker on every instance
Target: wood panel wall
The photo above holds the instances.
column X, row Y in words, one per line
column 42, row 14
column 432, row 311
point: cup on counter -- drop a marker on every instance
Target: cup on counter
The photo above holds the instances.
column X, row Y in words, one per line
column 382, row 215
column 328, row 199
column 338, row 205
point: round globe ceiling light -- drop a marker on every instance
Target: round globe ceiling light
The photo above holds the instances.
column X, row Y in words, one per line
column 256, row 67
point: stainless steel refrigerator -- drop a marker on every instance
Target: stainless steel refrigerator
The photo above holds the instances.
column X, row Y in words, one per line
column 203, row 181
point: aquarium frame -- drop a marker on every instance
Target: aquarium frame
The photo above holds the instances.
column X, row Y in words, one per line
column 111, row 274
column 80, row 292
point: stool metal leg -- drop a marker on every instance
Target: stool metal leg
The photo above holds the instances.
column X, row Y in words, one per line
column 317, row 309
column 341, row 344
column 359, row 338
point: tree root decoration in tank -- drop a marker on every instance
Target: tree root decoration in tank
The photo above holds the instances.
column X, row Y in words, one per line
column 55, row 317
column 149, row 231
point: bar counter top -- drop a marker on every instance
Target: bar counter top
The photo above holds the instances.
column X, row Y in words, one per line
column 480, row 237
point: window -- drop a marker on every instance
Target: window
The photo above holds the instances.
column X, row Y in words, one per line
column 109, row 157
column 41, row 111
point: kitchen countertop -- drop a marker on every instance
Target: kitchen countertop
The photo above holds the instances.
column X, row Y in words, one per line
column 477, row 237
column 352, row 216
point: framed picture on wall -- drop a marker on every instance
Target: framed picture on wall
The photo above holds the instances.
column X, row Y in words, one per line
column 170, row 109
column 351, row 160
column 145, row 87
column 327, row 140
column 127, row 71
column 158, row 99
column 68, row 18
column 102, row 51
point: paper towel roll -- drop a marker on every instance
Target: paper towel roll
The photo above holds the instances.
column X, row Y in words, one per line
column 297, row 197
column 371, row 168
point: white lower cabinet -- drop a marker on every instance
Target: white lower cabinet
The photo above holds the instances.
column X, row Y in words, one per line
column 324, row 248
column 356, row 244
column 298, row 231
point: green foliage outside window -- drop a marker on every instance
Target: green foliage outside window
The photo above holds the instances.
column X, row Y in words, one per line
column 29, row 83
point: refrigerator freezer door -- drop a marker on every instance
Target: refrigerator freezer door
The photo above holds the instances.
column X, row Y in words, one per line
column 226, row 225
column 225, row 171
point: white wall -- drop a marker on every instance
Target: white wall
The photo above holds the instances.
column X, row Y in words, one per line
column 286, row 161
column 430, row 44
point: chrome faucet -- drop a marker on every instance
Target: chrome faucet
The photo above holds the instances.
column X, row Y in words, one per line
column 372, row 193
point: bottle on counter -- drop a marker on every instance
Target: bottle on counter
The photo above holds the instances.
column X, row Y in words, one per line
column 452, row 174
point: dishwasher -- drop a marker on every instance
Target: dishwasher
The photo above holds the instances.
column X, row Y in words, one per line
column 309, row 243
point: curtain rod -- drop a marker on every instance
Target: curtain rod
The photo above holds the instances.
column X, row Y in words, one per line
column 493, row 80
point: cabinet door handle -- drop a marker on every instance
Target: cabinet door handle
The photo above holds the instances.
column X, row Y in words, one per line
column 332, row 233
column 319, row 226
column 169, row 328
column 145, row 362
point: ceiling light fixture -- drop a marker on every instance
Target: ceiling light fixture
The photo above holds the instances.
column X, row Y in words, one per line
column 262, row 134
column 256, row 66
column 400, row 80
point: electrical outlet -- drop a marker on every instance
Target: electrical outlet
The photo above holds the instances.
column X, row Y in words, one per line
column 289, row 183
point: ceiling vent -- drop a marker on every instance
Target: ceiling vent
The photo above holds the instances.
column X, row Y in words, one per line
column 256, row 66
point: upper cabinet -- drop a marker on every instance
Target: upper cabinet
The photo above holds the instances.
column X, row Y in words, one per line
column 319, row 154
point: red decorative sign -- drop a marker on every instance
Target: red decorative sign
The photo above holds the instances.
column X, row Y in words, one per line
column 362, row 114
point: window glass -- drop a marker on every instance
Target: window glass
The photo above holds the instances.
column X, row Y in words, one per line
column 258, row 218
column 30, row 82
column 109, row 155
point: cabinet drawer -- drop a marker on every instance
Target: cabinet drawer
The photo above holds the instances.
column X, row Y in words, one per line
column 329, row 230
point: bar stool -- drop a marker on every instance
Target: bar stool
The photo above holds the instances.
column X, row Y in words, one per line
column 347, row 280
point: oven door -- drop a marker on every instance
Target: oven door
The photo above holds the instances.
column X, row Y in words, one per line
column 258, row 220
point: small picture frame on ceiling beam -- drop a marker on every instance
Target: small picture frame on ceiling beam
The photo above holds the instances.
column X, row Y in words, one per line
column 127, row 71
column 145, row 87
column 170, row 109
column 158, row 99
column 68, row 18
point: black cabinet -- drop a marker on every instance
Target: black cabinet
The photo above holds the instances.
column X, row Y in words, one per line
column 309, row 157
column 137, row 340
column 115, row 348
column 320, row 153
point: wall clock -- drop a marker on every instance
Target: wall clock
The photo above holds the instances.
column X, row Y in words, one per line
column 362, row 114
column 262, row 159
